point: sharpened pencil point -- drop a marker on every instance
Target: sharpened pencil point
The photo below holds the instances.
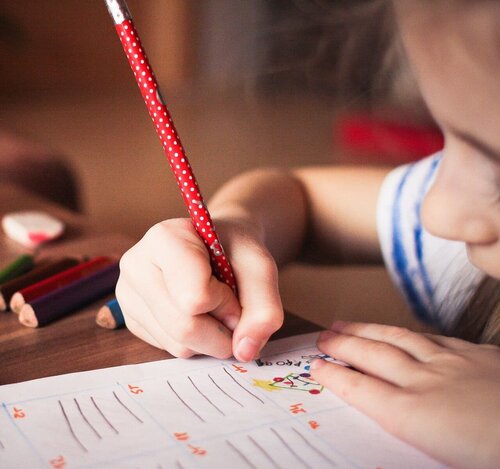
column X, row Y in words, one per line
column 105, row 319
column 17, row 302
column 110, row 315
column 27, row 316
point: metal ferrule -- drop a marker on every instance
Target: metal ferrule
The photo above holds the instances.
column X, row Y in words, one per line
column 118, row 9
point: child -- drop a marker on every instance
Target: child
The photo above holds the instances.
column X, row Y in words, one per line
column 438, row 393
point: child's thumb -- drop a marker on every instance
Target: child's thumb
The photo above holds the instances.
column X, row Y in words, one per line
column 261, row 313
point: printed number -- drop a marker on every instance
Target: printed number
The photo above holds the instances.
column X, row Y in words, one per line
column 197, row 450
column 135, row 389
column 58, row 463
column 181, row 436
column 297, row 408
column 18, row 413
column 313, row 424
column 240, row 369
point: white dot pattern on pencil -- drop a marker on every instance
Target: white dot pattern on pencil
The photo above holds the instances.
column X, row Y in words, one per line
column 174, row 151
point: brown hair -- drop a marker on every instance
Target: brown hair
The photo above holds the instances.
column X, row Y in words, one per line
column 344, row 48
column 479, row 321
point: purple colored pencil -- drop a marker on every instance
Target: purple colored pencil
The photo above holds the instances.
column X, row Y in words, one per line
column 67, row 299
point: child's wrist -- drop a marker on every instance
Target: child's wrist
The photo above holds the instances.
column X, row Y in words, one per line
column 238, row 216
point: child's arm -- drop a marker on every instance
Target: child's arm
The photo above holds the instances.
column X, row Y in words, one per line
column 166, row 288
column 324, row 213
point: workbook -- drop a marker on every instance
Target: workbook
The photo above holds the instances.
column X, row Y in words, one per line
column 199, row 412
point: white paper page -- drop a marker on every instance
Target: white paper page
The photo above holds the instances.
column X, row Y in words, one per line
column 200, row 412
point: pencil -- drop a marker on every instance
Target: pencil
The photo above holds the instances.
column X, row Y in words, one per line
column 110, row 315
column 38, row 273
column 169, row 138
column 70, row 297
column 50, row 284
column 18, row 267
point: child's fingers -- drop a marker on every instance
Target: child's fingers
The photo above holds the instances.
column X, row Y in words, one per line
column 204, row 334
column 187, row 273
column 200, row 333
column 190, row 335
column 378, row 359
column 448, row 342
column 145, row 281
column 207, row 296
column 142, row 323
column 370, row 395
column 139, row 331
column 413, row 343
column 261, row 308
column 223, row 304
column 200, row 322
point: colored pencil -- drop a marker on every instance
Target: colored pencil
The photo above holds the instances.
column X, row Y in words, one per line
column 18, row 267
column 67, row 299
column 110, row 316
column 169, row 138
column 44, row 287
column 38, row 273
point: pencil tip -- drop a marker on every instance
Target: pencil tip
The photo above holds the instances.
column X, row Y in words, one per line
column 27, row 316
column 16, row 302
column 105, row 319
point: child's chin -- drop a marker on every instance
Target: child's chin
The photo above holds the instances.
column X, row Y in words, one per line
column 486, row 258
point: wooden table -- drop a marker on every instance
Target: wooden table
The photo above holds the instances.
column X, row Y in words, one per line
column 74, row 343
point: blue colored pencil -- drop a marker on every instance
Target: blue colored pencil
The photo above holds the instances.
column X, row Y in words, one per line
column 110, row 316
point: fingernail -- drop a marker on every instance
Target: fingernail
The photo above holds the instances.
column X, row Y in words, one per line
column 325, row 335
column 338, row 325
column 247, row 349
column 231, row 322
column 317, row 363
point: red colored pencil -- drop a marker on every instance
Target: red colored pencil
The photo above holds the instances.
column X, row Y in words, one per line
column 169, row 138
column 42, row 288
column 40, row 272
column 71, row 297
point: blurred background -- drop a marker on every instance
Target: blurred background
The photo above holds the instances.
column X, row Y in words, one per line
column 249, row 83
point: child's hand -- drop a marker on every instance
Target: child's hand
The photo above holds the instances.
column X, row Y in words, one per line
column 439, row 394
column 171, row 299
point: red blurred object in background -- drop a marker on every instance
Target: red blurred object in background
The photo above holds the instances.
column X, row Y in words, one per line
column 366, row 138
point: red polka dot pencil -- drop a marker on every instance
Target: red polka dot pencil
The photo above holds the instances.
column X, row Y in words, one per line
column 169, row 138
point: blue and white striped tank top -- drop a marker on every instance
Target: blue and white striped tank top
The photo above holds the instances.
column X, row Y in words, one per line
column 434, row 274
